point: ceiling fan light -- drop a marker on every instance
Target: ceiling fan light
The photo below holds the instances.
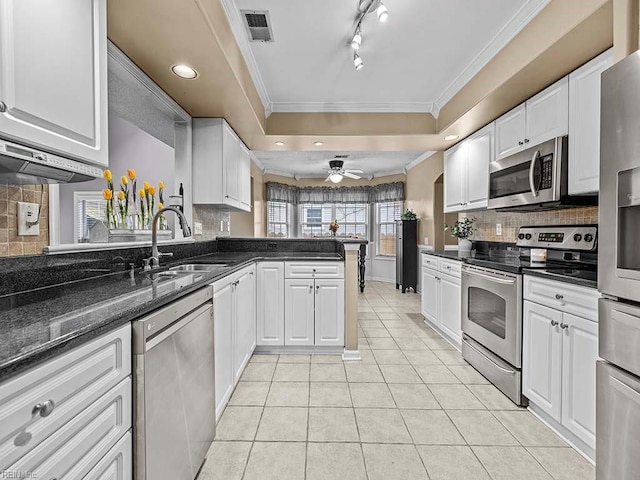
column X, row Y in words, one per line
column 382, row 13
column 335, row 177
column 356, row 42
column 357, row 61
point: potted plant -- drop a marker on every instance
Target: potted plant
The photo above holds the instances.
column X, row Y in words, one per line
column 462, row 230
column 333, row 227
column 408, row 214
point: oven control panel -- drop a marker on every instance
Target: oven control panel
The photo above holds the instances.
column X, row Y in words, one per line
column 561, row 237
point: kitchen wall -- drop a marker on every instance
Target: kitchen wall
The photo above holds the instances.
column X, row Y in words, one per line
column 10, row 243
column 511, row 222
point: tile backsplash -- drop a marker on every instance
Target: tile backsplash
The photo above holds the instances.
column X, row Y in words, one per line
column 215, row 222
column 511, row 221
column 10, row 243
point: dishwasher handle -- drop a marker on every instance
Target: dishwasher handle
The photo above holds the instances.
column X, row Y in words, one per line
column 206, row 309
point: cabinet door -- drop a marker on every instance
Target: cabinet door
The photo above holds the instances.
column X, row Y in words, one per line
column 244, row 178
column 329, row 312
column 270, row 303
column 455, row 178
column 223, row 345
column 584, row 125
column 231, row 152
column 510, row 132
column 117, row 464
column 299, row 312
column 542, row 358
column 450, row 303
column 479, row 154
column 430, row 295
column 548, row 114
column 53, row 76
column 244, row 322
column 579, row 355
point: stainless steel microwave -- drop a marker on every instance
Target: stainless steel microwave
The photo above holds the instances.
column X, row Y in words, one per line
column 534, row 179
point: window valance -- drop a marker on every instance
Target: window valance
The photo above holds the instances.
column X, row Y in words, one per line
column 386, row 192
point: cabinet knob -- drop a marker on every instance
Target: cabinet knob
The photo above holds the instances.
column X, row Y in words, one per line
column 317, row 289
column 520, row 143
column 526, row 140
column 559, row 297
column 554, row 323
column 310, row 288
column 3, row 107
column 43, row 409
column 564, row 326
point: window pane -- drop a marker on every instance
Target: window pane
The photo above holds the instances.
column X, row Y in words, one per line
column 278, row 219
column 387, row 214
column 352, row 218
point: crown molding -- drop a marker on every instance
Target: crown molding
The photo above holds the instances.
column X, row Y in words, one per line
column 240, row 33
column 497, row 43
column 351, row 107
column 257, row 161
column 418, row 160
column 280, row 173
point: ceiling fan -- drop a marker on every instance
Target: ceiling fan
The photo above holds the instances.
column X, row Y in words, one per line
column 336, row 172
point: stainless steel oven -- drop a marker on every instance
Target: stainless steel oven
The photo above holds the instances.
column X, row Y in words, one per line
column 492, row 327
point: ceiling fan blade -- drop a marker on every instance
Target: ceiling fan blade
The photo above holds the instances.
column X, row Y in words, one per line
column 354, row 171
column 350, row 175
column 328, row 177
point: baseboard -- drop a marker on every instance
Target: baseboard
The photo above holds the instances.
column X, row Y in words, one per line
column 297, row 350
column 384, row 280
column 454, row 343
column 351, row 355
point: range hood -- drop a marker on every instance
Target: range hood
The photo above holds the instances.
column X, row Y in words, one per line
column 20, row 165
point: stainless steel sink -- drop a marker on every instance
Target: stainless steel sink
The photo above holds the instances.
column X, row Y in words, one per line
column 198, row 267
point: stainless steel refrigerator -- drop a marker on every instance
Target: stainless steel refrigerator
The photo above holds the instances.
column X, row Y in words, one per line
column 618, row 374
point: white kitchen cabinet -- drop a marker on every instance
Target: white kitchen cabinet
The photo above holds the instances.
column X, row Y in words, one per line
column 299, row 316
column 584, row 125
column 579, row 355
column 53, row 76
column 466, row 172
column 221, row 166
column 329, row 312
column 543, row 117
column 559, row 356
column 442, row 296
column 270, row 303
column 116, row 464
column 542, row 358
column 234, row 319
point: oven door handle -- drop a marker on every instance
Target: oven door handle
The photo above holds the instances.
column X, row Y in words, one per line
column 502, row 369
column 532, row 168
column 489, row 277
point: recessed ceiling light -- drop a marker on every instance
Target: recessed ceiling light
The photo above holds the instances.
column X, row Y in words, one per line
column 318, row 143
column 279, row 143
column 184, row 71
column 451, row 137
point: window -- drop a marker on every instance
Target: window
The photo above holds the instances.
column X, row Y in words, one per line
column 386, row 215
column 278, row 219
column 352, row 218
column 89, row 210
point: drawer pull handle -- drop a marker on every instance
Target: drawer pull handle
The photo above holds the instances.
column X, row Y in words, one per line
column 43, row 409
column 559, row 297
column 554, row 323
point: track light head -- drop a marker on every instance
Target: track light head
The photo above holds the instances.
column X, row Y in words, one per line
column 356, row 41
column 357, row 61
column 382, row 13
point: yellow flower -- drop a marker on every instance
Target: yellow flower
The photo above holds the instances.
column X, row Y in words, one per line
column 141, row 192
column 132, row 173
column 152, row 190
column 107, row 194
column 160, row 184
column 124, row 180
column 107, row 175
column 146, row 185
column 160, row 205
column 120, row 195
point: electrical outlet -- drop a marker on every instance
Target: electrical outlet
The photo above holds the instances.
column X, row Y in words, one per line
column 28, row 212
column 197, row 228
column 272, row 246
column 498, row 229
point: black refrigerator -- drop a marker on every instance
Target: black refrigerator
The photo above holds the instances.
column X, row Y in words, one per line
column 407, row 254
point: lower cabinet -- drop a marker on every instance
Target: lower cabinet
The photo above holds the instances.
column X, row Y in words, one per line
column 234, row 331
column 559, row 356
column 270, row 299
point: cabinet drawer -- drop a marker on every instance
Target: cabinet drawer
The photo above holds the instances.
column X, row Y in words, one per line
column 71, row 382
column 117, row 464
column 72, row 451
column 430, row 261
column 314, row 270
column 574, row 299
column 451, row 267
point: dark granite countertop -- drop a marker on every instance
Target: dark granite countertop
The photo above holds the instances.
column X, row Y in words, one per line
column 575, row 277
column 450, row 254
column 41, row 323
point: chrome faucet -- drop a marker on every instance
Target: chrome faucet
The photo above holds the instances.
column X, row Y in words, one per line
column 154, row 260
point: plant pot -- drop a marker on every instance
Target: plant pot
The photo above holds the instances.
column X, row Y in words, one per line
column 464, row 245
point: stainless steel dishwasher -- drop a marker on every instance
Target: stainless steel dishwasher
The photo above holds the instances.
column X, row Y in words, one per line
column 174, row 401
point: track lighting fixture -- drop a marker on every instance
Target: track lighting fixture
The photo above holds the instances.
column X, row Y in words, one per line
column 357, row 61
column 356, row 41
column 382, row 13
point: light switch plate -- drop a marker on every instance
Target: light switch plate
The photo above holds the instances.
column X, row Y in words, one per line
column 28, row 212
column 498, row 229
column 197, row 227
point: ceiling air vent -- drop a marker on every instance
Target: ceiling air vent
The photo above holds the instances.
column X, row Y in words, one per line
column 339, row 157
column 258, row 25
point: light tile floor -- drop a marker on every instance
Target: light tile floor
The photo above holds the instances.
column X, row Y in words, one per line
column 412, row 409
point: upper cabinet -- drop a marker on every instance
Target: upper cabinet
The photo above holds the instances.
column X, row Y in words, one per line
column 466, row 172
column 584, row 125
column 541, row 118
column 221, row 166
column 53, row 87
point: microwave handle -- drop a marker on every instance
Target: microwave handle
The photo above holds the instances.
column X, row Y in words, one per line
column 534, row 160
